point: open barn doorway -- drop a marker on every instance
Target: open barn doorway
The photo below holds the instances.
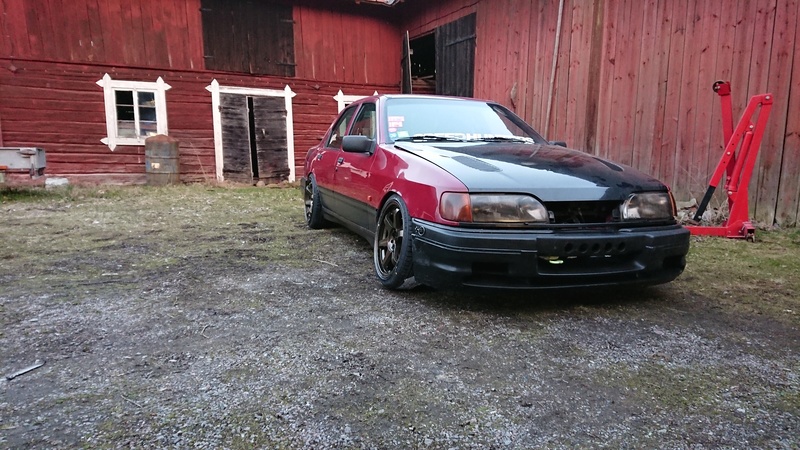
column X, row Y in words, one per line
column 443, row 61
column 423, row 64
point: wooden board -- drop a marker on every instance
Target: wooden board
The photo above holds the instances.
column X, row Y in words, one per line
column 788, row 207
column 455, row 57
column 758, row 76
column 236, row 156
column 269, row 116
column 780, row 84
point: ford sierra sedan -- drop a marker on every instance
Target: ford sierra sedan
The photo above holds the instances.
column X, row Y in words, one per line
column 459, row 192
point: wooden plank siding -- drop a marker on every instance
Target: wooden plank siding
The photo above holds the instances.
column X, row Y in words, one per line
column 789, row 185
column 779, row 80
column 368, row 53
column 146, row 33
column 59, row 107
column 647, row 100
column 421, row 17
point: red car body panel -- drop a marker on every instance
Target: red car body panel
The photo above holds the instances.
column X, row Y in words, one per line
column 371, row 178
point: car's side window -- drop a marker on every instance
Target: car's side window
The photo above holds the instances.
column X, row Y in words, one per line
column 365, row 121
column 340, row 129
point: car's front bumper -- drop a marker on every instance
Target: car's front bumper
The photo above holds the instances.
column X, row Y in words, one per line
column 446, row 256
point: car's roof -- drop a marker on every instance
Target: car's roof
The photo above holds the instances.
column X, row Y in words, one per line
column 420, row 96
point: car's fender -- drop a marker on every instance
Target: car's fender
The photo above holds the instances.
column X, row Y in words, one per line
column 417, row 181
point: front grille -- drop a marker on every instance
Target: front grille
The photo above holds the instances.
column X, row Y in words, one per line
column 583, row 212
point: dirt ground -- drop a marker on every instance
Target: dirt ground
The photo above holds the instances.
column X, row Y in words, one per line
column 210, row 317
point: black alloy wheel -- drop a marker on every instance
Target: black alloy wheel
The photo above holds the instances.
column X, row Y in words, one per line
column 314, row 218
column 392, row 249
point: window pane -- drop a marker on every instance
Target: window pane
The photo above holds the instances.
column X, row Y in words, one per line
column 340, row 129
column 126, row 129
column 124, row 112
column 147, row 113
column 148, row 128
column 365, row 122
column 147, row 98
column 124, row 97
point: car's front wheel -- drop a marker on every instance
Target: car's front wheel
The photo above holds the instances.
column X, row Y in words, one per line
column 392, row 249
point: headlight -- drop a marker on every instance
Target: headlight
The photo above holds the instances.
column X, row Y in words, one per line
column 492, row 208
column 648, row 206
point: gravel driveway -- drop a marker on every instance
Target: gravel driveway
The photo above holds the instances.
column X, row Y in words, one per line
column 206, row 317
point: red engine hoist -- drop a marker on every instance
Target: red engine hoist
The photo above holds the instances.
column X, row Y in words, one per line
column 737, row 165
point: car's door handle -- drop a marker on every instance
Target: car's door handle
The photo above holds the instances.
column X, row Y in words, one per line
column 340, row 160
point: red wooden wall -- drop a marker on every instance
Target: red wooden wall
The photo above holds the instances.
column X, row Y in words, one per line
column 142, row 33
column 633, row 83
column 52, row 52
column 331, row 45
column 420, row 17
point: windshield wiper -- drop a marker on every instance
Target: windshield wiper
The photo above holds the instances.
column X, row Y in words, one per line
column 503, row 139
column 429, row 137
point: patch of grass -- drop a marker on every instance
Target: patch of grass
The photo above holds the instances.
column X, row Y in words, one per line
column 65, row 193
column 753, row 278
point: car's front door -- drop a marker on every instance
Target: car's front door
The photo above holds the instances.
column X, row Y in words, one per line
column 327, row 160
column 352, row 173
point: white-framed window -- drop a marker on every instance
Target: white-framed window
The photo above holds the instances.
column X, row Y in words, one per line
column 135, row 110
column 344, row 100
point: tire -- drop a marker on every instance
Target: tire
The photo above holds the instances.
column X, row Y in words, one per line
column 314, row 218
column 392, row 247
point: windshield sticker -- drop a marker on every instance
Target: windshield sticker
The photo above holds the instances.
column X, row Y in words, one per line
column 402, row 134
column 396, row 121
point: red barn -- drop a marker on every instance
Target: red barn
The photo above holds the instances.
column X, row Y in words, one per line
column 246, row 86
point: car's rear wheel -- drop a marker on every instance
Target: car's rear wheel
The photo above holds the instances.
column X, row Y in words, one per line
column 392, row 249
column 314, row 218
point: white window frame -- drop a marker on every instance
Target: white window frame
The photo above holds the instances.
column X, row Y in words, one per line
column 344, row 100
column 159, row 88
column 216, row 90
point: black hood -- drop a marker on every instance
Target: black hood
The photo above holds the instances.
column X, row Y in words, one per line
column 551, row 173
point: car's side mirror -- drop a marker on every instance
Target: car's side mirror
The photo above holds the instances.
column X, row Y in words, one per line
column 559, row 143
column 358, row 144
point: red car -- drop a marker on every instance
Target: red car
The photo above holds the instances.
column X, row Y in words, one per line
column 462, row 192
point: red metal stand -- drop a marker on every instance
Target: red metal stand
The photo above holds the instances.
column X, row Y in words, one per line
column 737, row 165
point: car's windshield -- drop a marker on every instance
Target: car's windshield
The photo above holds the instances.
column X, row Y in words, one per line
column 454, row 120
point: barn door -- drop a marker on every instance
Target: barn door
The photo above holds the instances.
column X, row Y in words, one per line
column 254, row 138
column 406, row 65
column 269, row 122
column 455, row 57
column 236, row 153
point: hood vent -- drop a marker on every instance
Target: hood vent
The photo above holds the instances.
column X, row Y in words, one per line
column 476, row 164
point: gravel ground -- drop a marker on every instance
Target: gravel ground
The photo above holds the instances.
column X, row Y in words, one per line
column 199, row 317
